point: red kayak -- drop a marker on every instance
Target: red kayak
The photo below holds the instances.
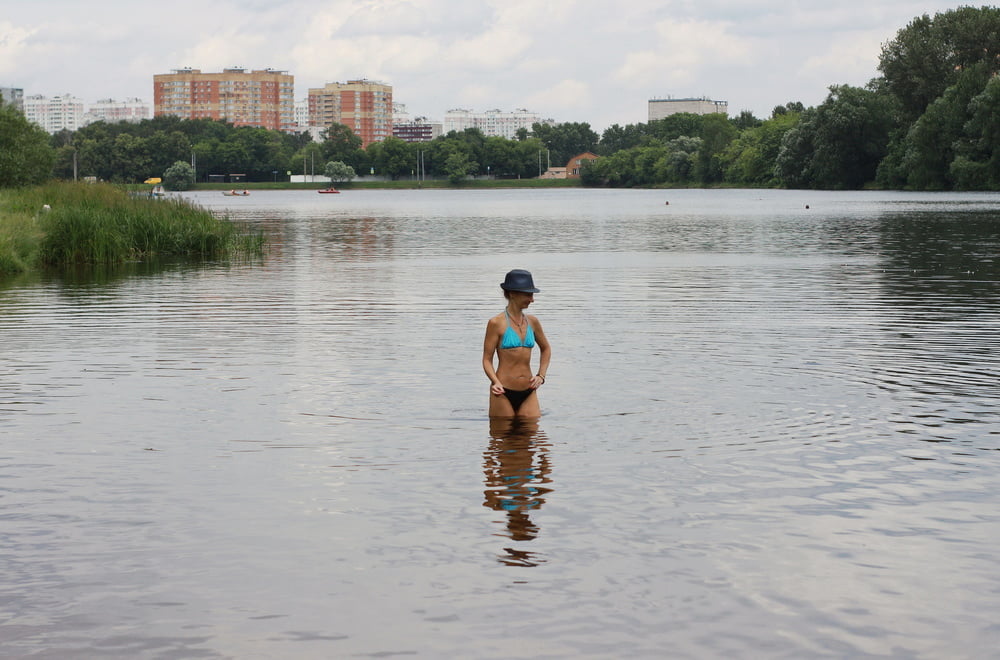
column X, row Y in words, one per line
column 328, row 191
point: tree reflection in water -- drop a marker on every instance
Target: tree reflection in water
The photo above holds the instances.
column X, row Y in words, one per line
column 516, row 466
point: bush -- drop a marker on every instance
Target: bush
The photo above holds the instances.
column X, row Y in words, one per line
column 339, row 171
column 179, row 176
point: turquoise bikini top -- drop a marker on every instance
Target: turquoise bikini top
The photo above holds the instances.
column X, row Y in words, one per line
column 513, row 340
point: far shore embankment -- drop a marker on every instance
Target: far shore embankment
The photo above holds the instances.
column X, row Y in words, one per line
column 401, row 184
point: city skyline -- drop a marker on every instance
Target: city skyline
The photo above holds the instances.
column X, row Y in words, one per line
column 575, row 60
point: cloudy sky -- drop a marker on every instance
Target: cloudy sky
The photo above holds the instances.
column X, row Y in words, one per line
column 594, row 61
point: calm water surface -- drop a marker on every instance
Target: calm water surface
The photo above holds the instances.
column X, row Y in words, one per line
column 769, row 431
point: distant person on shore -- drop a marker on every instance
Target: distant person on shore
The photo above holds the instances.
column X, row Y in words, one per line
column 510, row 336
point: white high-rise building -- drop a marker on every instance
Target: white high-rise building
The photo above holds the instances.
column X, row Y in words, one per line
column 131, row 110
column 13, row 96
column 302, row 114
column 55, row 113
column 492, row 122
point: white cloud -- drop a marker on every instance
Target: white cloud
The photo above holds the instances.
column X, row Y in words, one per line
column 574, row 60
column 488, row 51
column 13, row 45
column 566, row 95
column 683, row 49
column 851, row 58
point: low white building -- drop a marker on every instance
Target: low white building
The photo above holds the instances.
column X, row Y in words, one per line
column 492, row 122
column 112, row 111
column 660, row 108
column 54, row 113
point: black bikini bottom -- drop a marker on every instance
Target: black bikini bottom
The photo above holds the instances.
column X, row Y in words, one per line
column 517, row 397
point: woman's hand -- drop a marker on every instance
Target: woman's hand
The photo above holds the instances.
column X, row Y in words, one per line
column 537, row 381
column 496, row 389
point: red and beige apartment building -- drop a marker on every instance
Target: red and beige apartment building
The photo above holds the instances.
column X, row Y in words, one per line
column 364, row 106
column 263, row 98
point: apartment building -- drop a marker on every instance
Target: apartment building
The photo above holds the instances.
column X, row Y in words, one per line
column 492, row 122
column 409, row 129
column 112, row 111
column 365, row 106
column 260, row 98
column 54, row 114
column 660, row 108
column 420, row 129
column 12, row 96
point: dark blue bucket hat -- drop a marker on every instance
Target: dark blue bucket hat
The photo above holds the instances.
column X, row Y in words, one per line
column 519, row 280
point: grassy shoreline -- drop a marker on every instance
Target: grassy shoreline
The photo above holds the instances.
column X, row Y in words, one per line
column 63, row 224
column 470, row 184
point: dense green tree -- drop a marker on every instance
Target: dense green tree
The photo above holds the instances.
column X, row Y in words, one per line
column 207, row 157
column 716, row 134
column 615, row 138
column 838, row 144
column 648, row 160
column 750, row 158
column 745, row 120
column 131, row 161
column 929, row 146
column 679, row 162
column 674, row 126
column 852, row 136
column 340, row 143
column 126, row 151
column 179, row 176
column 459, row 166
column 168, row 147
column 309, row 159
column 925, row 57
column 792, row 107
column 26, row 157
column 265, row 153
column 339, row 171
column 232, row 156
column 977, row 161
column 563, row 141
column 500, row 157
column 527, row 154
column 793, row 165
column 391, row 157
column 94, row 158
column 616, row 170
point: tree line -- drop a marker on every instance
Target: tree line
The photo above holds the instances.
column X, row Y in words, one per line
column 929, row 121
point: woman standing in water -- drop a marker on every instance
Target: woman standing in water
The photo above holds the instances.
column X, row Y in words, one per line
column 511, row 335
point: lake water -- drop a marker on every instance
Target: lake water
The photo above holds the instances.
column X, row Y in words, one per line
column 771, row 430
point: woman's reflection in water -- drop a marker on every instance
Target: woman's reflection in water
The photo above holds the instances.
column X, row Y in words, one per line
column 516, row 465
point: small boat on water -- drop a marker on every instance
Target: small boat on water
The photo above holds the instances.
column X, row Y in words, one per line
column 327, row 191
column 235, row 193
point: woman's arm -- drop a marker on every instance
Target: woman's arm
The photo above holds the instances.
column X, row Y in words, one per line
column 545, row 353
column 490, row 344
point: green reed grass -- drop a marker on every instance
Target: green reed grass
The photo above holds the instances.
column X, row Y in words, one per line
column 102, row 224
